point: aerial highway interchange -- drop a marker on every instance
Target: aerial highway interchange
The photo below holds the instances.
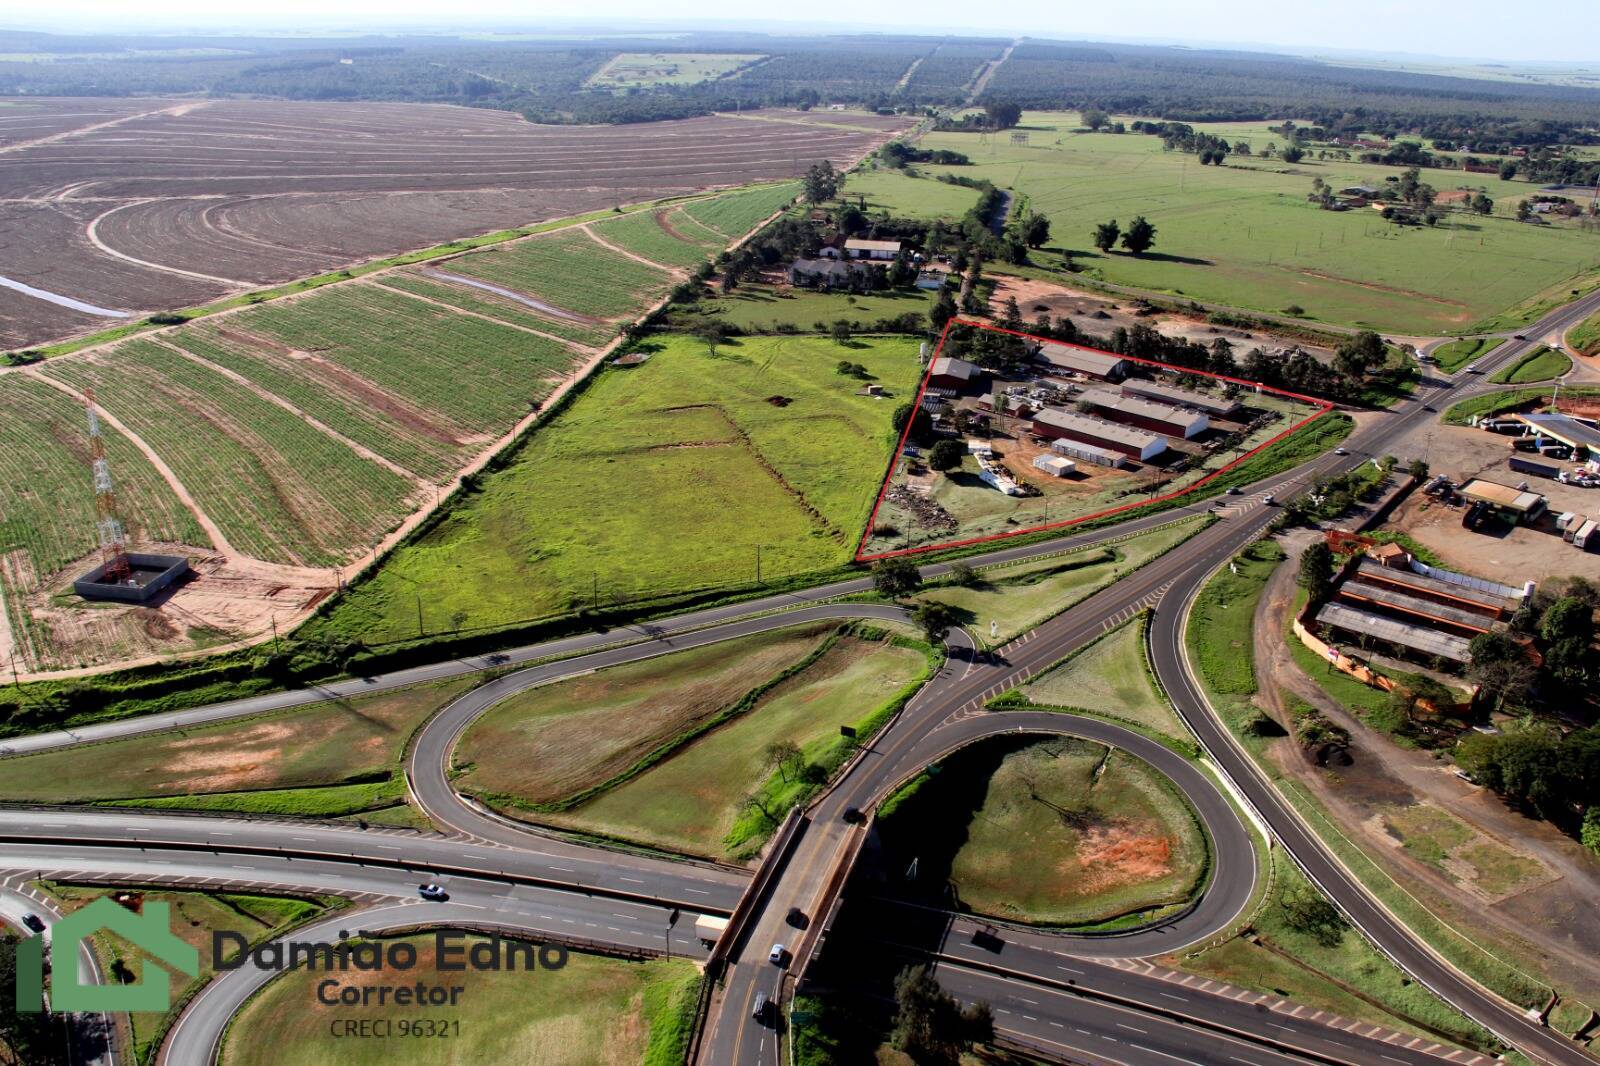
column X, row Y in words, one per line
column 1064, row 997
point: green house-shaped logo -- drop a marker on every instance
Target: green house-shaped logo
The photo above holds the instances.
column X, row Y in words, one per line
column 150, row 932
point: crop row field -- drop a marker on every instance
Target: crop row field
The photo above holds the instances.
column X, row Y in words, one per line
column 167, row 209
column 662, row 478
column 304, row 429
column 47, row 512
column 278, row 488
column 662, row 237
column 1245, row 235
column 571, row 270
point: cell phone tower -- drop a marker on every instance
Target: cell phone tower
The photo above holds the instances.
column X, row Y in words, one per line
column 108, row 522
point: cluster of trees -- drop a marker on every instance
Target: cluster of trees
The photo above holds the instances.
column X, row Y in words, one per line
column 898, row 154
column 1138, row 238
column 1546, row 772
column 931, row 1027
column 1558, row 621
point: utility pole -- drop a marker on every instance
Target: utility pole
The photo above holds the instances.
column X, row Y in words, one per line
column 594, row 588
column 420, row 631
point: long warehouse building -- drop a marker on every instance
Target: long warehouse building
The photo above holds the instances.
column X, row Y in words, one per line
column 1155, row 417
column 1054, row 423
column 1215, row 406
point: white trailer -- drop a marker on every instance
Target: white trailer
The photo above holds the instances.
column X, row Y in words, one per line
column 707, row 928
column 1585, row 535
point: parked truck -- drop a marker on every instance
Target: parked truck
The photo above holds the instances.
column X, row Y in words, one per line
column 1528, row 466
column 1573, row 524
column 1585, row 536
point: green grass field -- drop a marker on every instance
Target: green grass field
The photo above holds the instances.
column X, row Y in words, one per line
column 647, row 233
column 1220, row 630
column 1019, row 596
column 1057, row 831
column 1496, row 402
column 195, row 916
column 1244, row 234
column 692, row 802
column 650, row 69
column 659, row 479
column 762, row 309
column 1110, row 677
column 552, row 742
column 326, row 755
column 1540, row 364
column 594, row 1010
column 903, row 195
column 571, row 271
column 277, row 487
column 1585, row 336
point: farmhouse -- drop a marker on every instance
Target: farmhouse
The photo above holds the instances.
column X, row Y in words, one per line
column 1014, row 406
column 1575, row 433
column 952, row 373
column 829, row 274
column 1216, row 406
column 1515, row 504
column 1083, row 361
column 856, row 248
column 1156, row 417
column 1055, row 465
column 1055, row 423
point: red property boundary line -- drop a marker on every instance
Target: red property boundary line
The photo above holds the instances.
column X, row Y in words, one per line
column 1322, row 408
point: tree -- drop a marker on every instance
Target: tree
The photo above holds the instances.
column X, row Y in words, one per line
column 1095, row 118
column 1308, row 911
column 1140, row 237
column 1482, row 205
column 756, row 803
column 1524, row 212
column 1358, row 355
column 1508, row 170
column 930, row 1027
column 896, row 577
column 1501, row 669
column 935, row 619
column 714, row 333
column 946, row 455
column 943, row 310
column 822, row 182
column 1293, row 154
column 1316, row 571
column 785, row 757
column 965, row 576
column 1036, row 231
column 1106, row 234
column 1417, row 468
column 840, row 331
column 917, row 416
column 1590, row 835
column 1003, row 114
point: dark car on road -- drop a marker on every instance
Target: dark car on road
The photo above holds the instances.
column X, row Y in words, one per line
column 34, row 922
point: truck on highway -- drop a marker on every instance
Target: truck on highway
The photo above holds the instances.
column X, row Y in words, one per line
column 1528, row 466
column 708, row 928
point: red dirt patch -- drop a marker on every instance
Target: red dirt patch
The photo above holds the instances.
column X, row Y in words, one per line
column 1119, row 855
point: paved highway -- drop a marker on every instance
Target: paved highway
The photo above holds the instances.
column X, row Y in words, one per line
column 544, row 879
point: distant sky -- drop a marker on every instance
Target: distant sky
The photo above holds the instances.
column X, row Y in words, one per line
column 1536, row 30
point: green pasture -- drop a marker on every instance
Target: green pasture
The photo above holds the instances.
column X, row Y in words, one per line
column 904, row 195
column 1244, row 234
column 736, row 213
column 1585, row 336
column 660, row 478
column 571, row 271
column 765, row 309
column 645, row 233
